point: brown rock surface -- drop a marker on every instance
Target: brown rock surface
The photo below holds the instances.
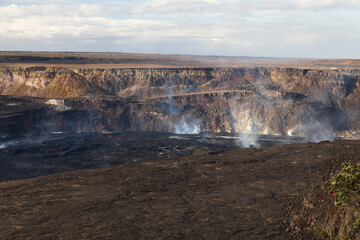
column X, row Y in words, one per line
column 275, row 99
column 225, row 94
column 241, row 194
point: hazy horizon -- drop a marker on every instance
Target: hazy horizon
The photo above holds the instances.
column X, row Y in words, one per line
column 260, row 28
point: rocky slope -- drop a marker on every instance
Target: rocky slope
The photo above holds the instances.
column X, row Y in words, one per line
column 240, row 194
column 270, row 100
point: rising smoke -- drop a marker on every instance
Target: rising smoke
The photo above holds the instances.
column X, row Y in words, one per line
column 311, row 127
column 7, row 144
column 245, row 140
column 314, row 131
column 182, row 123
column 188, row 124
column 266, row 112
column 247, row 125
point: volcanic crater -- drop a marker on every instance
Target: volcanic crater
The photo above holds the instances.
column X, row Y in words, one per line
column 134, row 146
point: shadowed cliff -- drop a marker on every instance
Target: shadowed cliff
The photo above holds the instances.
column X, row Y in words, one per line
column 266, row 100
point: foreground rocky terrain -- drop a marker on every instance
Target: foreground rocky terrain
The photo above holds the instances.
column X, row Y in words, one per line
column 160, row 135
column 240, row 194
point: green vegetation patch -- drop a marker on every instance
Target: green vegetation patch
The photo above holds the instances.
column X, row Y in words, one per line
column 345, row 185
column 324, row 235
column 345, row 189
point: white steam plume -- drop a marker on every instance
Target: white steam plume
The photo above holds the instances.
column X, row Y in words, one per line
column 187, row 125
column 264, row 112
column 7, row 144
column 248, row 128
column 313, row 131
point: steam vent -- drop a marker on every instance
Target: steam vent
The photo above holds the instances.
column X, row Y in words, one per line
column 140, row 146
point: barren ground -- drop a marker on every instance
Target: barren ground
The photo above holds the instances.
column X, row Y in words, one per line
column 241, row 194
column 133, row 60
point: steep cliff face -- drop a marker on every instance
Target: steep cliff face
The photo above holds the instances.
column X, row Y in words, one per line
column 287, row 101
column 317, row 84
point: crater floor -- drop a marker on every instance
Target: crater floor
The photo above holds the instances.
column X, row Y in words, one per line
column 45, row 154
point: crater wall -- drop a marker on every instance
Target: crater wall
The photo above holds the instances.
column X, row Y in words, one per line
column 270, row 100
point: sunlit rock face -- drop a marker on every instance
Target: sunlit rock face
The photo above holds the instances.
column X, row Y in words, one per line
column 260, row 100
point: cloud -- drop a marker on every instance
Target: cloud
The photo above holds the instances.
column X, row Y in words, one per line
column 242, row 7
column 228, row 27
column 51, row 21
column 318, row 3
column 38, row 21
column 206, row 7
column 23, row 11
column 324, row 4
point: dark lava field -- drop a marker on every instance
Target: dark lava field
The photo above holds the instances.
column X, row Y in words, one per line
column 57, row 152
column 136, row 146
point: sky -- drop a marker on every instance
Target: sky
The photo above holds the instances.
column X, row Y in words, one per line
column 257, row 28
